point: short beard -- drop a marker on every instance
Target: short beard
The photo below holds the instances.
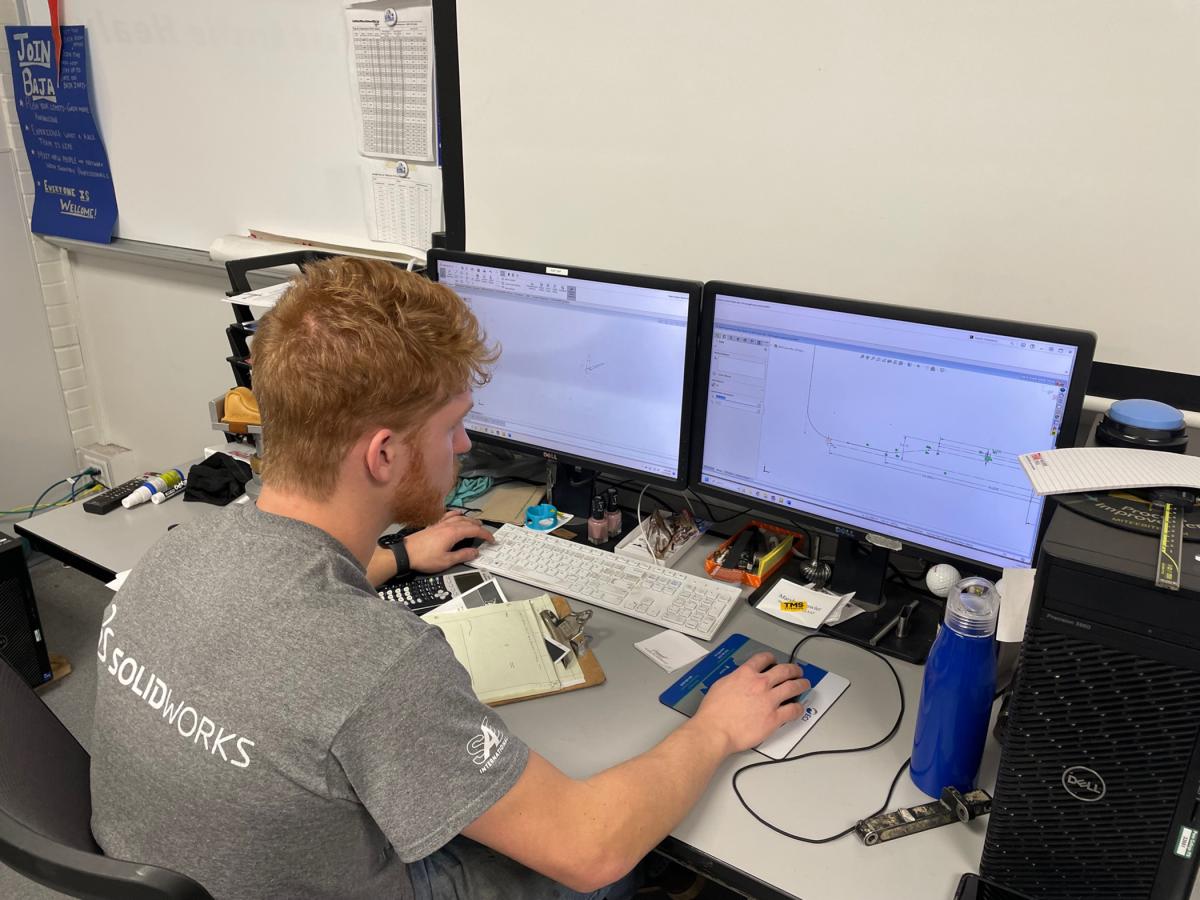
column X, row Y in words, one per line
column 417, row 502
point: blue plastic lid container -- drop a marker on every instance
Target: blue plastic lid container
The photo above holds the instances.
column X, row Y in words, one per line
column 1145, row 424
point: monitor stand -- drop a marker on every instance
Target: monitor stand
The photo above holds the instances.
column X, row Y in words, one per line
column 569, row 488
column 863, row 568
column 860, row 567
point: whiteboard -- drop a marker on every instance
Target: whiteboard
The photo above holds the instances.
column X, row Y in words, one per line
column 224, row 115
column 1032, row 159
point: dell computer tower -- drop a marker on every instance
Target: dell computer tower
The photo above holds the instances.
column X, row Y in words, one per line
column 1098, row 792
column 22, row 644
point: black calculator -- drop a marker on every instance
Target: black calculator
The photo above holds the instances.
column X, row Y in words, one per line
column 420, row 594
column 426, row 592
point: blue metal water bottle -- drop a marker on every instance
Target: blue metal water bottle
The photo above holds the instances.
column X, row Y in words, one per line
column 956, row 696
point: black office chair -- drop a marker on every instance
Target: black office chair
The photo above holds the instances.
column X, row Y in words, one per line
column 46, row 810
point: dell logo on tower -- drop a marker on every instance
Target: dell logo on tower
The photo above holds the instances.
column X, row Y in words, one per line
column 1084, row 784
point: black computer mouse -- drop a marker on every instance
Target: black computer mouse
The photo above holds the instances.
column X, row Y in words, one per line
column 795, row 699
column 465, row 543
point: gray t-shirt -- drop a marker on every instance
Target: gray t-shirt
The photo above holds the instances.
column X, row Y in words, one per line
column 267, row 725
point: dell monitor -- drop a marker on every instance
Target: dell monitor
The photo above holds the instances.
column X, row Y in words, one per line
column 595, row 367
column 898, row 429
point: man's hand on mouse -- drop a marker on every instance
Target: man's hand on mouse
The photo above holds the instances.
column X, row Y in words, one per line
column 431, row 549
column 750, row 702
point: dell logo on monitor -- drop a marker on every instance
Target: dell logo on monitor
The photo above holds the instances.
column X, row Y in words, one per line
column 1084, row 784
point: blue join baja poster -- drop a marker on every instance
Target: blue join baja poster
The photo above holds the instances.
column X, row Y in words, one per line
column 74, row 196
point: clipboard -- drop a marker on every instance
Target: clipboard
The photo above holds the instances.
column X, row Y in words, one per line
column 504, row 648
column 592, row 672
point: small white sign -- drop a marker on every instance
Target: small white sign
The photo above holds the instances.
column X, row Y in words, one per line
column 1186, row 845
column 805, row 606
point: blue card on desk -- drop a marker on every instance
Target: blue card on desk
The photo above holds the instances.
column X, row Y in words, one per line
column 686, row 693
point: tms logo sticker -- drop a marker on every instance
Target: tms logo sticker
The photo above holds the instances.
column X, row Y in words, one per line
column 1084, row 784
column 809, row 712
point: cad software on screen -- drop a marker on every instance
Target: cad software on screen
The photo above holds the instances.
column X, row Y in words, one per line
column 895, row 427
column 587, row 368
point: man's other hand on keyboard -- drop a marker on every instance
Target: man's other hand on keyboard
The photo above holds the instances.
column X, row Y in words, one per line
column 749, row 703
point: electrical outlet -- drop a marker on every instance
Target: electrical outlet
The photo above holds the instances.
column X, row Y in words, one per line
column 105, row 457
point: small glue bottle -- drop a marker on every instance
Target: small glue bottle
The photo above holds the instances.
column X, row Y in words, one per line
column 154, row 484
column 598, row 522
column 612, row 513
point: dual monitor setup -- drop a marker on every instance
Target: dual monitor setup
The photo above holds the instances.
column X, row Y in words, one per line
column 897, row 429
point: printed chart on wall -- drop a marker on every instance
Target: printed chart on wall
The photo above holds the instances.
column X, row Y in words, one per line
column 404, row 203
column 392, row 83
column 392, row 70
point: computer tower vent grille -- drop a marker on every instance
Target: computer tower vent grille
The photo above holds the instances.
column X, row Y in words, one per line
column 1134, row 722
column 17, row 646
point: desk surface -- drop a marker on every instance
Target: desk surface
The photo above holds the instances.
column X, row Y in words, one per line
column 590, row 730
column 586, row 731
column 101, row 546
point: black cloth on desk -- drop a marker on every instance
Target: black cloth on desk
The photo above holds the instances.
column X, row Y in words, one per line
column 218, row 480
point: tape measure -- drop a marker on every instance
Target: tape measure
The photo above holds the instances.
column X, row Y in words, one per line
column 1170, row 548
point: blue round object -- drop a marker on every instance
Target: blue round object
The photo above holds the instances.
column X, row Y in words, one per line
column 542, row 517
column 1146, row 414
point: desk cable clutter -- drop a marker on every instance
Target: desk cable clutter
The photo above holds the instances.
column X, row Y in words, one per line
column 878, row 826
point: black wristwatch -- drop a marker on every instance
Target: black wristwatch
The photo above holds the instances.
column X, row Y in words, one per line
column 401, row 553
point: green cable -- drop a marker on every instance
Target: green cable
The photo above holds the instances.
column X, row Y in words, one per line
column 29, row 511
column 62, row 501
column 38, row 501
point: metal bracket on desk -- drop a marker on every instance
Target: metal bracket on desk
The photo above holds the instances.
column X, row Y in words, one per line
column 952, row 807
column 568, row 630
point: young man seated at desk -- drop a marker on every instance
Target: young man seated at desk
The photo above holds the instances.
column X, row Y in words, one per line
column 267, row 725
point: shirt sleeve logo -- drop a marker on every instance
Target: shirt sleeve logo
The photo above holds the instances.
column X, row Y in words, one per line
column 485, row 748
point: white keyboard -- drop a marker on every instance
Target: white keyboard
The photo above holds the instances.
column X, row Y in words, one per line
column 687, row 603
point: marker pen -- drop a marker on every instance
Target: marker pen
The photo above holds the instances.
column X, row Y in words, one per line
column 164, row 496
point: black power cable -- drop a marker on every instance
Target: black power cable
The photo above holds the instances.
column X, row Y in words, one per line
column 883, row 740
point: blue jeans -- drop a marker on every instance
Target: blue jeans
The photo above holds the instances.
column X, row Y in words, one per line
column 466, row 870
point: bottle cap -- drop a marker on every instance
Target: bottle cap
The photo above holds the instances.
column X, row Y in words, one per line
column 972, row 607
column 141, row 495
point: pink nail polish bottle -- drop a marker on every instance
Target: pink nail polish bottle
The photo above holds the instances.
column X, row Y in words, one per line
column 598, row 522
column 612, row 513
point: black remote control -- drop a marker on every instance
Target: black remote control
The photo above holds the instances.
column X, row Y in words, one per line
column 106, row 501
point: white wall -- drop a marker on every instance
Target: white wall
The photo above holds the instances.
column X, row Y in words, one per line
column 53, row 271
column 36, row 449
column 132, row 352
column 1033, row 159
column 154, row 341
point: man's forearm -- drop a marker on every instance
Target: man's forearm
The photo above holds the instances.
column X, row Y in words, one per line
column 633, row 806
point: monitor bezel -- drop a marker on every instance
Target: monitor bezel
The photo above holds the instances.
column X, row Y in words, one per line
column 694, row 291
column 1083, row 341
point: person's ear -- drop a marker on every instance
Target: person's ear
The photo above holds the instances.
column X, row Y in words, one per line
column 386, row 455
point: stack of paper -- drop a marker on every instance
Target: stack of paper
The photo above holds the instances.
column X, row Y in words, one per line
column 1078, row 469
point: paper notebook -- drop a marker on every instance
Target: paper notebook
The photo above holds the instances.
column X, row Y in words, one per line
column 503, row 647
column 685, row 694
